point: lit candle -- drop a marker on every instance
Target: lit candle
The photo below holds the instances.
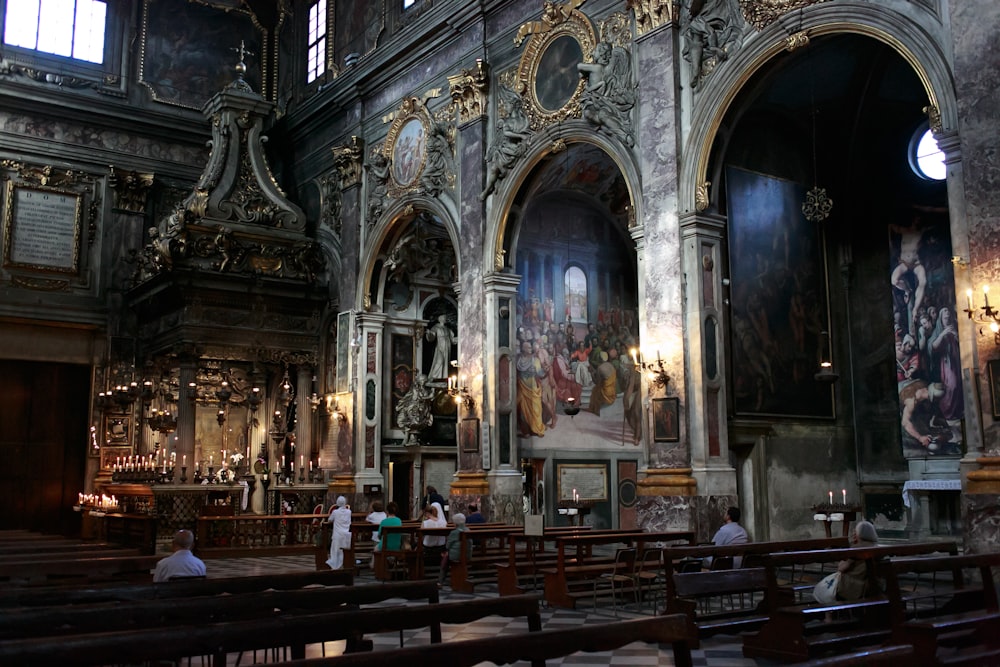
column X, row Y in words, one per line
column 635, row 356
column 184, row 460
column 319, row 461
column 968, row 296
column 282, row 460
column 831, row 497
column 843, row 492
column 211, row 459
column 986, row 296
column 302, row 459
column 310, row 466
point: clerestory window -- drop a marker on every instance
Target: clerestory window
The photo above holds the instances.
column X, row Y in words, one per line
column 69, row 28
column 316, row 41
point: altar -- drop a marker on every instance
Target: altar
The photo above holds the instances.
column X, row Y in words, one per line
column 926, row 518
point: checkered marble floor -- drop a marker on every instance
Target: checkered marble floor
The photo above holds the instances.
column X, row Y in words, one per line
column 721, row 651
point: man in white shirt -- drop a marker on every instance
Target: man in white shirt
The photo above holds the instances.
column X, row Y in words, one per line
column 181, row 563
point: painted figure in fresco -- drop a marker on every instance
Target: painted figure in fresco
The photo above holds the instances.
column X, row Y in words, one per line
column 413, row 412
column 918, row 401
column 442, row 349
column 944, row 346
column 605, row 385
column 547, row 383
column 910, row 268
column 529, row 393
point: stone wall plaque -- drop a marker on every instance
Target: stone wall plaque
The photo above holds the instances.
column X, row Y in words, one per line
column 588, row 481
column 42, row 228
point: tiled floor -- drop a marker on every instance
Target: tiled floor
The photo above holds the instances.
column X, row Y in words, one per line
column 722, row 651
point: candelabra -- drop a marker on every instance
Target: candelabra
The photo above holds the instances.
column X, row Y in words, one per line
column 654, row 370
column 989, row 316
column 461, row 394
column 184, row 474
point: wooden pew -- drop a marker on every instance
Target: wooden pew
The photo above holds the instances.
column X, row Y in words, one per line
column 535, row 647
column 575, row 568
column 528, row 554
column 133, row 567
column 961, row 625
column 724, row 600
column 792, row 632
column 117, row 616
column 275, row 631
column 479, row 550
column 71, row 594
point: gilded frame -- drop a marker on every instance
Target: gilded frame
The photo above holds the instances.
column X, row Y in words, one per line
column 35, row 231
column 545, row 36
column 406, row 160
column 666, row 422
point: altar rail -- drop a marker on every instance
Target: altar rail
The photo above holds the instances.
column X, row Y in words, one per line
column 265, row 534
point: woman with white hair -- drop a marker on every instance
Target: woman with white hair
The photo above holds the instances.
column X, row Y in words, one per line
column 854, row 575
column 340, row 539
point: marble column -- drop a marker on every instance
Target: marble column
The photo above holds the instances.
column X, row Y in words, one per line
column 186, row 419
column 665, row 489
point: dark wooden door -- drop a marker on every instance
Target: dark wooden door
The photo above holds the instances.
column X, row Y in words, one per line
column 43, row 444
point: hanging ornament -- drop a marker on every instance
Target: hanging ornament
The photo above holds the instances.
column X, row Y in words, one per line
column 817, row 205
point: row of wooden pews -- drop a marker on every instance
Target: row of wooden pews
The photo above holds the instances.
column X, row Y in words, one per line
column 29, row 558
column 222, row 617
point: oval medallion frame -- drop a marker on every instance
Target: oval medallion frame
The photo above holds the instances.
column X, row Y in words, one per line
column 545, row 49
column 406, row 146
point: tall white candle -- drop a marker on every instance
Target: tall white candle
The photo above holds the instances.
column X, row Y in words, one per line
column 844, row 494
column 831, row 497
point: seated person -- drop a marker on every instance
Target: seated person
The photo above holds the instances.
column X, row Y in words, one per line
column 181, row 563
column 475, row 516
column 854, row 579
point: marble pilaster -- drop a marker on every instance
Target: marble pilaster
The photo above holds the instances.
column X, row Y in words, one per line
column 185, row 433
column 660, row 277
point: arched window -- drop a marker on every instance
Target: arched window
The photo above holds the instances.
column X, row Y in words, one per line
column 575, row 291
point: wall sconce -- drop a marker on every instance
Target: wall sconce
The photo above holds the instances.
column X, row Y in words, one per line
column 826, row 373
column 655, row 371
column 461, row 394
column 253, row 399
column 192, row 392
column 988, row 316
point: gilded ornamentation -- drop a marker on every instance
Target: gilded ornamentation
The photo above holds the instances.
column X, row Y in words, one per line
column 347, row 162
column 762, row 13
column 651, row 14
column 46, row 175
column 508, row 140
column 701, row 199
column 547, row 78
column 817, row 205
column 51, row 78
column 797, row 40
column 557, row 146
column 711, row 33
column 406, row 147
column 40, row 284
column 468, row 91
column 616, row 30
column 131, row 190
column 498, row 262
column 934, row 118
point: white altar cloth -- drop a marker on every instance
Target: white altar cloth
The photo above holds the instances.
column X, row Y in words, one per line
column 929, row 485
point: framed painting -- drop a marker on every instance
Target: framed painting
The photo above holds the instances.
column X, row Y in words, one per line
column 42, row 228
column 186, row 67
column 666, row 419
column 468, row 435
column 408, row 151
column 111, row 455
column 117, row 430
column 776, row 321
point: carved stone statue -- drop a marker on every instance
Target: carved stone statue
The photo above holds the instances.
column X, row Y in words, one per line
column 443, row 337
column 378, row 170
column 438, row 147
column 413, row 412
column 610, row 92
column 713, row 30
column 508, row 144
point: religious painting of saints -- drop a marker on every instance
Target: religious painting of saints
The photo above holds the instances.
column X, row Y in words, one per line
column 666, row 419
column 112, row 455
column 185, row 66
column 408, row 152
column 468, row 435
column 778, row 295
column 925, row 334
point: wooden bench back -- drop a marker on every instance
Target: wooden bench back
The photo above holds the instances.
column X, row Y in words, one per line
column 217, row 639
column 91, row 566
column 91, row 593
column 108, row 616
column 534, row 647
column 675, row 554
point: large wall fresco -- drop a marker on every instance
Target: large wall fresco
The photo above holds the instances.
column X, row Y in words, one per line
column 925, row 335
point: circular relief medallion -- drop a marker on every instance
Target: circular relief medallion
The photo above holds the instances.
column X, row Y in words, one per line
column 627, row 494
column 557, row 78
column 408, row 152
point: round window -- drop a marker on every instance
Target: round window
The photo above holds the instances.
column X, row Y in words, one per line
column 926, row 158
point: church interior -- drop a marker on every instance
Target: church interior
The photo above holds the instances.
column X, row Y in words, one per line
column 615, row 263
